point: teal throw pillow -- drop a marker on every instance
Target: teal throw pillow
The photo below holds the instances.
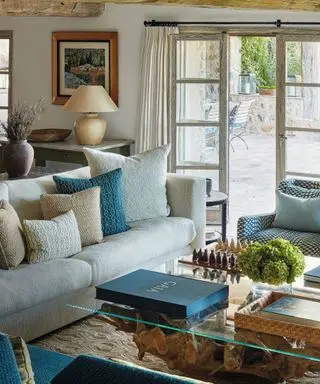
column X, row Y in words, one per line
column 9, row 373
column 297, row 214
column 112, row 214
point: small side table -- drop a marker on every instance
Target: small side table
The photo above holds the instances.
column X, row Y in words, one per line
column 219, row 198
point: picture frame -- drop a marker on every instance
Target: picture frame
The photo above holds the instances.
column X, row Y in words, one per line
column 84, row 58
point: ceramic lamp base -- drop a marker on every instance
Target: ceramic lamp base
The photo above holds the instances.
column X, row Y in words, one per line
column 90, row 129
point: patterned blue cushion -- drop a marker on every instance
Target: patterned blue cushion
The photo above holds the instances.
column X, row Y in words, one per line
column 91, row 370
column 112, row 214
column 305, row 189
column 9, row 373
column 308, row 242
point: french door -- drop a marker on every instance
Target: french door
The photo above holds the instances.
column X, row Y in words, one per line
column 200, row 97
column 298, row 106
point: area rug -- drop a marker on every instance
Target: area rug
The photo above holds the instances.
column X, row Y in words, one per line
column 92, row 336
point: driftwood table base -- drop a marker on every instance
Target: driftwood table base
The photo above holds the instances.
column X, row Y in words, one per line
column 201, row 357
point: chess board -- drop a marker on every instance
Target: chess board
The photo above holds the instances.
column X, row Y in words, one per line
column 218, row 264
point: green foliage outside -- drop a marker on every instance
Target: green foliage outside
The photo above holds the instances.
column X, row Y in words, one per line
column 276, row 262
column 258, row 56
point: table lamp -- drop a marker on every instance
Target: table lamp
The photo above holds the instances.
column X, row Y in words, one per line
column 90, row 100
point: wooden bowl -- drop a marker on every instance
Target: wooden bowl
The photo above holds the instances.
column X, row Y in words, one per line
column 49, row 135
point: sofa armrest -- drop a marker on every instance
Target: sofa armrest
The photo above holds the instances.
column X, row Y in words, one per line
column 248, row 225
column 186, row 197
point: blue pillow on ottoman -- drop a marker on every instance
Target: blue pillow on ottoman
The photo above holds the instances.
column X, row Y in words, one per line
column 112, row 214
column 9, row 373
column 91, row 370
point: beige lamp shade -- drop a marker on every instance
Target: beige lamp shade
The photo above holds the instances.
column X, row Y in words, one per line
column 90, row 99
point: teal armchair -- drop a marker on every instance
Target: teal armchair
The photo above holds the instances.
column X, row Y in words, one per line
column 259, row 227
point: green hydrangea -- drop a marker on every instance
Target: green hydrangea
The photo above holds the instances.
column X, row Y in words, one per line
column 275, row 262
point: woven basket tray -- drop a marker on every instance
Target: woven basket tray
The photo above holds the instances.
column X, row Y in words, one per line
column 250, row 318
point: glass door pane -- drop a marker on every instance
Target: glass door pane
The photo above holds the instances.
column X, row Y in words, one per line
column 301, row 137
column 199, row 122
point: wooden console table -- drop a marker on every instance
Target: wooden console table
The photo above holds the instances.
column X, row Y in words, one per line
column 70, row 151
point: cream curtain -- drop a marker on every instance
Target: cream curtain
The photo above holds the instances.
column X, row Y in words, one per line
column 154, row 118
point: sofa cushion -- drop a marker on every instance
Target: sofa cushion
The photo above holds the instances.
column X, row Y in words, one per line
column 52, row 239
column 32, row 284
column 24, row 195
column 126, row 251
column 86, row 208
column 12, row 246
column 298, row 214
column 112, row 215
column 144, row 180
column 47, row 364
column 308, row 242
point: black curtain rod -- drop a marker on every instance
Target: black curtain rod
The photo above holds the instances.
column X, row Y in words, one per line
column 278, row 23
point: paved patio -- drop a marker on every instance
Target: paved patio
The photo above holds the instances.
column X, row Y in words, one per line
column 252, row 172
column 252, row 178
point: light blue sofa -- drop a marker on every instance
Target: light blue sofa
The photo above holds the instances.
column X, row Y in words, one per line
column 259, row 227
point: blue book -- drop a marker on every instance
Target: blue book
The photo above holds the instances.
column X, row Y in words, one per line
column 294, row 310
column 313, row 275
column 176, row 296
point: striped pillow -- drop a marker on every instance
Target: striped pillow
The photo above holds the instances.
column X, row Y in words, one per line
column 23, row 359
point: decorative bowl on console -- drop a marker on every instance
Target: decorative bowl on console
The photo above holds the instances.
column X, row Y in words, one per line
column 49, row 135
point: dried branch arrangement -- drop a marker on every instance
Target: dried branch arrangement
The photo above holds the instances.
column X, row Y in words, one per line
column 21, row 119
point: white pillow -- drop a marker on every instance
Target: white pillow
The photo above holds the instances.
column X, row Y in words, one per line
column 143, row 181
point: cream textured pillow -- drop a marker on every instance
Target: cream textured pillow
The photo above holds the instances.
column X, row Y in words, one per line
column 143, row 180
column 12, row 246
column 52, row 239
column 86, row 208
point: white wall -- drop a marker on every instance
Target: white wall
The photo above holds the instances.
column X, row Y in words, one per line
column 32, row 53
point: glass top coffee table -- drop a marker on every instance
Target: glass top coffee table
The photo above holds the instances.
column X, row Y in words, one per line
column 214, row 344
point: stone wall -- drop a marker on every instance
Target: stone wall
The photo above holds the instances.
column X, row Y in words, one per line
column 262, row 113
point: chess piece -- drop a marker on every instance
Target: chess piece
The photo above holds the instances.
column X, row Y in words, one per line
column 205, row 257
column 219, row 245
column 212, row 258
column 194, row 256
column 212, row 274
column 238, row 277
column 232, row 245
column 218, row 259
column 238, row 249
column 224, row 260
column 226, row 245
column 232, row 261
column 232, row 276
column 200, row 255
column 194, row 271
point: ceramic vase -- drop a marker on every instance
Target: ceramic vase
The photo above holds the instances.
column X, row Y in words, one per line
column 18, row 158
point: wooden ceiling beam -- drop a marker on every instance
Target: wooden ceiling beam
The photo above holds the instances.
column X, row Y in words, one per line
column 51, row 8
column 302, row 5
column 95, row 8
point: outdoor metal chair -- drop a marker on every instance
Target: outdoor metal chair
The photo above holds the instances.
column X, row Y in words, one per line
column 238, row 118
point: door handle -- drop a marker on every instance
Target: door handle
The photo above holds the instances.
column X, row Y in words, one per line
column 283, row 137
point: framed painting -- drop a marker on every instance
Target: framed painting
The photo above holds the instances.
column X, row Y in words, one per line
column 84, row 58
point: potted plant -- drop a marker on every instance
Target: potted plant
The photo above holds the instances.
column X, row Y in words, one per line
column 269, row 90
column 18, row 153
column 272, row 266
